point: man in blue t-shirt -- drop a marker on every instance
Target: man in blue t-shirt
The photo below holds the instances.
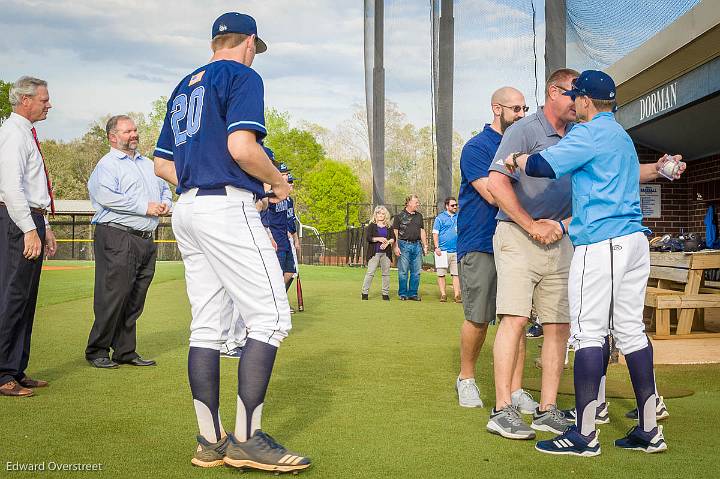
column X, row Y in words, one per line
column 209, row 146
column 444, row 234
column 476, row 226
column 610, row 265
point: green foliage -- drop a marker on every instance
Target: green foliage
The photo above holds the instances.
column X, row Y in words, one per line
column 5, row 108
column 325, row 193
column 297, row 148
column 71, row 163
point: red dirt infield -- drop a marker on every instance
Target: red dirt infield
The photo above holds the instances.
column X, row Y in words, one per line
column 64, row 268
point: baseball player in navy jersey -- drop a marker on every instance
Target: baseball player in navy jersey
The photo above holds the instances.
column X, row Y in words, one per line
column 275, row 217
column 292, row 229
column 209, row 146
column 610, row 265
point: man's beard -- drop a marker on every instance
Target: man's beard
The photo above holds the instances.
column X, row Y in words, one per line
column 505, row 124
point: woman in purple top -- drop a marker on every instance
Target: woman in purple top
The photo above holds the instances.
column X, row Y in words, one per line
column 380, row 239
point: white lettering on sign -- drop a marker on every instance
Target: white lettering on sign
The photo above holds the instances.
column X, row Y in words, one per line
column 658, row 101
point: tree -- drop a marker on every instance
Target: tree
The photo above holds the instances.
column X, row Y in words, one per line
column 295, row 147
column 324, row 196
column 5, row 108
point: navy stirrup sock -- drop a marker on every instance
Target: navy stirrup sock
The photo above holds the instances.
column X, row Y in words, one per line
column 640, row 364
column 588, row 372
column 253, row 377
column 204, row 376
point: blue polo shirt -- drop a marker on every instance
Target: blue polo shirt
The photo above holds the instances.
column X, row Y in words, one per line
column 605, row 171
column 445, row 226
column 204, row 109
column 476, row 217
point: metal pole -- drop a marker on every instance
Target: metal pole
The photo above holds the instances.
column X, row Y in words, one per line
column 378, row 118
column 555, row 37
column 446, row 63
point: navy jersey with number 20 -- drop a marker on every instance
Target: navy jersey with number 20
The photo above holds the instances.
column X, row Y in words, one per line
column 207, row 106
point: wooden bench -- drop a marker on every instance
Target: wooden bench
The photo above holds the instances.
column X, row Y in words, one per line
column 680, row 286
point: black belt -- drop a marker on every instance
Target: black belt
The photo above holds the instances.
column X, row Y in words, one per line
column 39, row 211
column 410, row 241
column 142, row 234
column 211, row 192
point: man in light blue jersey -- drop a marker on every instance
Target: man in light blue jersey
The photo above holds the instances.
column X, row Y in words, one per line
column 610, row 265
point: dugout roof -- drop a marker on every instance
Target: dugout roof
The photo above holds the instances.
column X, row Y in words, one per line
column 668, row 89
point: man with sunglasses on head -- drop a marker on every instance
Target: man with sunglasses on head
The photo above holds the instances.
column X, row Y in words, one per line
column 532, row 257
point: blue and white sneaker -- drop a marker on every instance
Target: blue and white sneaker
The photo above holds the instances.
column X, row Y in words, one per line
column 235, row 353
column 572, row 443
column 639, row 440
column 661, row 411
column 535, row 331
column 602, row 414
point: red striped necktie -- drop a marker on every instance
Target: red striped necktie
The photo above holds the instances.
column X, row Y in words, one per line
column 47, row 175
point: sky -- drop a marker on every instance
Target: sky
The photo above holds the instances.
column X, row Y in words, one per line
column 105, row 57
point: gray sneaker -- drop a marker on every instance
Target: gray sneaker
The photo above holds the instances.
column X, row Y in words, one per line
column 524, row 401
column 553, row 420
column 508, row 423
column 468, row 393
column 262, row 452
column 208, row 454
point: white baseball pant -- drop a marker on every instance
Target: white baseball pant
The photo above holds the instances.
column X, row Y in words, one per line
column 606, row 289
column 229, row 260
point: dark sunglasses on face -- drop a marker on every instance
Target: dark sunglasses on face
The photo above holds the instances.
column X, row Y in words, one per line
column 453, row 206
column 516, row 108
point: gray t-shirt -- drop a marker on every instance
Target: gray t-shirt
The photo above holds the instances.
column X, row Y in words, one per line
column 540, row 197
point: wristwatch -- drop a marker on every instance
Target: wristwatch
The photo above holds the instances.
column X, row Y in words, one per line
column 515, row 156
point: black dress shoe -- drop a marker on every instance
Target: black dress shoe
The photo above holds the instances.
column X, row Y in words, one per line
column 139, row 362
column 363, row 296
column 386, row 297
column 103, row 363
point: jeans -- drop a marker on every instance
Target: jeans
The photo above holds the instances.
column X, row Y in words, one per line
column 409, row 265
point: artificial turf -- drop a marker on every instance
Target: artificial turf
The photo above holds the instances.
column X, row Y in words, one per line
column 366, row 388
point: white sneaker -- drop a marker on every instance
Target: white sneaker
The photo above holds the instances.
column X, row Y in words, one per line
column 468, row 393
column 524, row 401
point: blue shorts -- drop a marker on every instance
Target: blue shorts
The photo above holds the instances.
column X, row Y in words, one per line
column 287, row 261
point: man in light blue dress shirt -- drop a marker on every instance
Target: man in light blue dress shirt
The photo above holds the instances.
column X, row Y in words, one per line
column 128, row 198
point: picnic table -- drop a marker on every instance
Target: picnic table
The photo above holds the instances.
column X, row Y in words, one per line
column 677, row 285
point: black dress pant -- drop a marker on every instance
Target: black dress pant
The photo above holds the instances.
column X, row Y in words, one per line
column 19, row 280
column 124, row 269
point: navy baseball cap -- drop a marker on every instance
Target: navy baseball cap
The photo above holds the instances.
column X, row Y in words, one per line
column 291, row 178
column 233, row 22
column 595, row 84
column 269, row 153
column 282, row 167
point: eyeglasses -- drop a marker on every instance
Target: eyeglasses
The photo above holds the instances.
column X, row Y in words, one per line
column 516, row 108
column 453, row 206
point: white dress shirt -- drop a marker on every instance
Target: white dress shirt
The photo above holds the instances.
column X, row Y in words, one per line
column 23, row 184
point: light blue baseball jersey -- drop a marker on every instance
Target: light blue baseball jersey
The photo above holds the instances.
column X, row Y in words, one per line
column 605, row 171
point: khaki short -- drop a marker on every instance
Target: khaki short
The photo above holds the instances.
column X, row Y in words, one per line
column 452, row 266
column 530, row 275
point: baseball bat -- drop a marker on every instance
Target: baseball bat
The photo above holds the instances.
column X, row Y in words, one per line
column 301, row 305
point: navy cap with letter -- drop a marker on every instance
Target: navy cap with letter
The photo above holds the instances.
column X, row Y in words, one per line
column 234, row 22
column 594, row 84
column 282, row 167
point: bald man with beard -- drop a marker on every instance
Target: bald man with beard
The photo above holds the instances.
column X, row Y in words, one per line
column 476, row 227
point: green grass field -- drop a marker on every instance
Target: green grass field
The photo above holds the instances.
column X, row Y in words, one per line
column 364, row 388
